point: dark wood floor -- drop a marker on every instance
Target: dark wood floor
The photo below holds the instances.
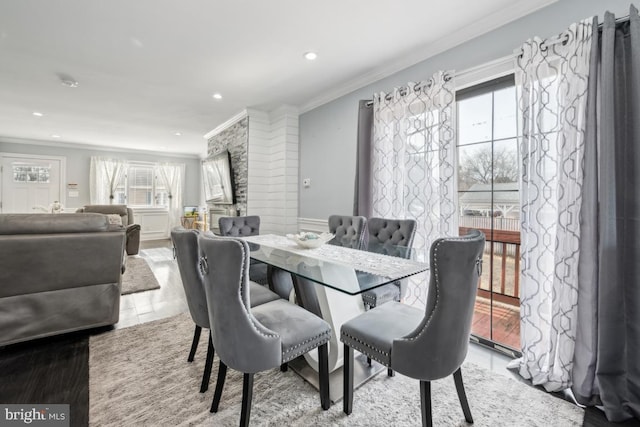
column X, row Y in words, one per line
column 48, row 371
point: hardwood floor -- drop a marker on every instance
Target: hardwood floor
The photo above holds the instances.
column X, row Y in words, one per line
column 506, row 322
column 48, row 371
column 55, row 370
column 167, row 301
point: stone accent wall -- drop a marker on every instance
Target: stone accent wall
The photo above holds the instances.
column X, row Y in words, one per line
column 264, row 157
column 235, row 139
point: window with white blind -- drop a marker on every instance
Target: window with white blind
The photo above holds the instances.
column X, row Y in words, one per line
column 141, row 187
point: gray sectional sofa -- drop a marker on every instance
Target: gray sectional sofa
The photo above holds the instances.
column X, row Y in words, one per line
column 58, row 273
column 126, row 217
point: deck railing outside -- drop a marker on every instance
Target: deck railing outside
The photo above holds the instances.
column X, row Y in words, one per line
column 504, row 243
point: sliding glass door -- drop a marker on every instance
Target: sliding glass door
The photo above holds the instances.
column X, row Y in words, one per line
column 489, row 200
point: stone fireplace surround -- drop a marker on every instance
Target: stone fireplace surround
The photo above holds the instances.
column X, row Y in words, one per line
column 264, row 158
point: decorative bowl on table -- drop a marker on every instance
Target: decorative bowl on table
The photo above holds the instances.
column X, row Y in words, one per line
column 310, row 240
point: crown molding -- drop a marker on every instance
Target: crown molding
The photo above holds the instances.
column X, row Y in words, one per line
column 81, row 146
column 253, row 113
column 230, row 122
column 484, row 72
column 284, row 110
column 478, row 28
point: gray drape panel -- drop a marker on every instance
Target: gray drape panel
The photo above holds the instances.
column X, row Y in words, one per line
column 362, row 194
column 607, row 354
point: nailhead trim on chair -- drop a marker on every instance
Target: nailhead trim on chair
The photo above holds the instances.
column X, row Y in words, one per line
column 246, row 309
column 317, row 340
column 367, row 353
column 344, row 334
column 368, row 297
column 435, row 273
column 373, row 298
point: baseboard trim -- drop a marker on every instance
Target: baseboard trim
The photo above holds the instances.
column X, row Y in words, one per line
column 153, row 235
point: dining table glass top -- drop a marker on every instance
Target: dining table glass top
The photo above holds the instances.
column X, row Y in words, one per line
column 347, row 270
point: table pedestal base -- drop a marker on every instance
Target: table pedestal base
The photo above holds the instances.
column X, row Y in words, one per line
column 362, row 373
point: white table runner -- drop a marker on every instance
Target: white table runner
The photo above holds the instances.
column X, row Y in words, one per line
column 368, row 262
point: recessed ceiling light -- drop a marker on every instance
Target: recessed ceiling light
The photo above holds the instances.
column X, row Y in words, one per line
column 37, row 114
column 310, row 56
column 217, row 96
column 177, row 134
column 55, row 135
column 136, row 42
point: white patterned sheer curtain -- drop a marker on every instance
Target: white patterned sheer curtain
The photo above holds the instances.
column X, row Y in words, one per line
column 104, row 176
column 172, row 175
column 413, row 157
column 551, row 79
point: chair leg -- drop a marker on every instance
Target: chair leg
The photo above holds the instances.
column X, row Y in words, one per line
column 194, row 343
column 390, row 372
column 222, row 374
column 206, row 376
column 323, row 376
column 347, row 382
column 425, row 403
column 284, row 367
column 247, row 395
column 462, row 396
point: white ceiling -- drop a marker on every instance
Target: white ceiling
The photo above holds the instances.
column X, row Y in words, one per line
column 148, row 68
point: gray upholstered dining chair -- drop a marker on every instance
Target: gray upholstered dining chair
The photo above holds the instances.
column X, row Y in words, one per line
column 348, row 230
column 240, row 226
column 185, row 243
column 425, row 345
column 254, row 339
column 388, row 233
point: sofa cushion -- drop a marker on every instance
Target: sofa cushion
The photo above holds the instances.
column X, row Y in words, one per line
column 114, row 219
column 51, row 223
column 108, row 210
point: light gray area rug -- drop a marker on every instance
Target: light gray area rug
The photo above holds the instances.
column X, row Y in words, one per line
column 138, row 276
column 139, row 376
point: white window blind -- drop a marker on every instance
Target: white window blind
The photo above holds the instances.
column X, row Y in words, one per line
column 140, row 182
column 140, row 187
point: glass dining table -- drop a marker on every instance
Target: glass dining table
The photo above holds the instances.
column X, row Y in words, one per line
column 329, row 281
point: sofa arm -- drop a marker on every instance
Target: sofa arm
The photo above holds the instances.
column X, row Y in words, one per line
column 133, row 239
column 130, row 219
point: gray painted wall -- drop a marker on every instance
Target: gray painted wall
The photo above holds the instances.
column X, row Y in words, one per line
column 78, row 162
column 328, row 133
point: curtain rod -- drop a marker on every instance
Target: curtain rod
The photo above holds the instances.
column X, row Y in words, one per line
column 562, row 38
column 403, row 90
column 425, row 84
column 618, row 20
